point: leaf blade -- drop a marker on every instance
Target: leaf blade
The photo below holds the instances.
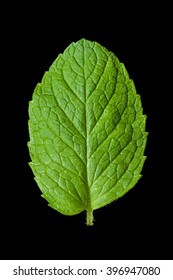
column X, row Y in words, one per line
column 87, row 130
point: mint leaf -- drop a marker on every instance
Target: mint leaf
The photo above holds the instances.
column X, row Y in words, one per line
column 87, row 130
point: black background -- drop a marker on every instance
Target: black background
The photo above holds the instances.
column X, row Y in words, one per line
column 137, row 226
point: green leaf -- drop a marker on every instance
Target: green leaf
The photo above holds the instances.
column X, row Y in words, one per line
column 87, row 130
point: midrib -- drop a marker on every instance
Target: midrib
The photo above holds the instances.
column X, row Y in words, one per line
column 89, row 206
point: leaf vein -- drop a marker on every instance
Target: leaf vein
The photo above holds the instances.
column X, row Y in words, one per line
column 121, row 174
column 57, row 135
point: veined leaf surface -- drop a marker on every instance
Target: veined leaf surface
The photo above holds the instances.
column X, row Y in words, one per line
column 87, row 130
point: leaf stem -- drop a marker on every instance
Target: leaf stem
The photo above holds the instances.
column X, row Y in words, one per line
column 90, row 217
